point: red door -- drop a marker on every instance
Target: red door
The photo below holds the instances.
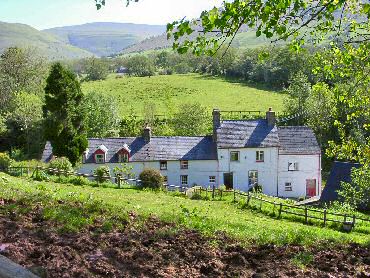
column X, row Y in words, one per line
column 311, row 188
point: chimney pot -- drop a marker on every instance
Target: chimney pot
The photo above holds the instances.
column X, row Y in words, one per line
column 147, row 134
column 271, row 117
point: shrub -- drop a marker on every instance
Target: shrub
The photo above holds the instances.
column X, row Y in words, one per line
column 5, row 161
column 151, row 178
column 61, row 163
column 79, row 181
column 102, row 173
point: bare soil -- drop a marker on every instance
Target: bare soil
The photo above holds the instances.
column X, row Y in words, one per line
column 157, row 249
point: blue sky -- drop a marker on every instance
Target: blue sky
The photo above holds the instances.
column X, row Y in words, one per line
column 43, row 14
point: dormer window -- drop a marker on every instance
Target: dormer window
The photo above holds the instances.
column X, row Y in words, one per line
column 124, row 154
column 100, row 154
column 99, row 158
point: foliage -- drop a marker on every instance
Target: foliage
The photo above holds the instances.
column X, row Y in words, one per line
column 5, row 161
column 191, row 119
column 151, row 178
column 139, row 65
column 64, row 114
column 61, row 163
column 96, row 69
column 123, row 171
column 102, row 174
column 101, row 115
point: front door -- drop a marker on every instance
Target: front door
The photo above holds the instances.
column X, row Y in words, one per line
column 311, row 188
column 229, row 180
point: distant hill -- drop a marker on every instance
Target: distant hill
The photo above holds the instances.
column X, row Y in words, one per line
column 14, row 34
column 244, row 39
column 105, row 38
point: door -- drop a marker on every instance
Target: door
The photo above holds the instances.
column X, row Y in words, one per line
column 229, row 180
column 310, row 188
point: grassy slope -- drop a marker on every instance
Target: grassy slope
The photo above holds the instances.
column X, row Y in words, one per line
column 22, row 35
column 170, row 91
column 206, row 216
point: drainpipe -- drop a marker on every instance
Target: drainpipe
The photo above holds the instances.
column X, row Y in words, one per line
column 277, row 174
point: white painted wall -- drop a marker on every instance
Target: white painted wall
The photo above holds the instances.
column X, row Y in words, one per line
column 198, row 170
column 309, row 167
column 267, row 170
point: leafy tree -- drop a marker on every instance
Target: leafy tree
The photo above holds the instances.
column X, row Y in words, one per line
column 102, row 174
column 140, row 65
column 96, row 69
column 151, row 178
column 5, row 161
column 101, row 115
column 191, row 119
column 63, row 113
column 61, row 163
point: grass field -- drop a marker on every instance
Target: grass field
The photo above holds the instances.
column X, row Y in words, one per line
column 169, row 91
column 206, row 216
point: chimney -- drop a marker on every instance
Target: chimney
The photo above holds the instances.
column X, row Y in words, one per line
column 216, row 122
column 271, row 117
column 147, row 134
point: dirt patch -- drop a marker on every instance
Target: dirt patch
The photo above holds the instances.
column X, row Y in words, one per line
column 158, row 249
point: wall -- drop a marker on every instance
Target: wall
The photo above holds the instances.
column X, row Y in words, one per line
column 267, row 170
column 309, row 167
column 198, row 171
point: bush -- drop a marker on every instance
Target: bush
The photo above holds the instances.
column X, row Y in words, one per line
column 61, row 163
column 151, row 178
column 102, row 173
column 5, row 161
column 79, row 181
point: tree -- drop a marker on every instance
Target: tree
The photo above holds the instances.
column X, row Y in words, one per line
column 64, row 115
column 96, row 69
column 140, row 65
column 151, row 178
column 101, row 115
column 20, row 70
column 190, row 120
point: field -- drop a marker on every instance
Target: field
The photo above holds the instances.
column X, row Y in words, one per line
column 84, row 231
column 167, row 92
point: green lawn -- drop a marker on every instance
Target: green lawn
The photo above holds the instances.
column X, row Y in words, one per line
column 207, row 216
column 169, row 91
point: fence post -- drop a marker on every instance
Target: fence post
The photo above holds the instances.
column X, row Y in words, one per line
column 305, row 215
column 260, row 204
column 213, row 192
column 220, row 194
column 119, row 181
column 249, row 197
column 353, row 221
column 324, row 217
column 273, row 212
column 234, row 197
column 280, row 209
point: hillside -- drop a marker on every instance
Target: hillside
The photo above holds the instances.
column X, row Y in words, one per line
column 14, row 34
column 105, row 38
column 170, row 91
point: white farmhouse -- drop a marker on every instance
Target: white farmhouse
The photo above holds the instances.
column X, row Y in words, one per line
column 285, row 161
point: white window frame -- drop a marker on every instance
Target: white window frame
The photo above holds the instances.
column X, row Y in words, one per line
column 98, row 160
column 163, row 165
column 212, row 179
column 184, row 180
column 260, row 156
column 288, row 187
column 232, row 153
column 123, row 158
column 293, row 166
column 254, row 178
column 184, row 164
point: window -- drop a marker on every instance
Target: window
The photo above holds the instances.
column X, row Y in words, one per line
column 165, row 180
column 292, row 166
column 252, row 178
column 234, row 156
column 260, row 156
column 288, row 186
column 99, row 158
column 123, row 158
column 184, row 164
column 163, row 165
column 184, row 180
column 212, row 179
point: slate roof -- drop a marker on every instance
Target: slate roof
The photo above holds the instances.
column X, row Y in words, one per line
column 159, row 148
column 341, row 171
column 297, row 140
column 247, row 134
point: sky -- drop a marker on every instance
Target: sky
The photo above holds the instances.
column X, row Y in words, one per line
column 43, row 14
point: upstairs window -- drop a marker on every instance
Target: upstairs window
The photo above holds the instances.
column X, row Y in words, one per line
column 99, row 158
column 260, row 156
column 212, row 179
column 252, row 178
column 163, row 165
column 288, row 186
column 234, row 156
column 292, row 166
column 184, row 180
column 184, row 164
column 123, row 157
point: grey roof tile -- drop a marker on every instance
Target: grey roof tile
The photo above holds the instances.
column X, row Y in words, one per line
column 298, row 140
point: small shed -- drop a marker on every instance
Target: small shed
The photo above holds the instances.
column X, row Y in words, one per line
column 340, row 172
